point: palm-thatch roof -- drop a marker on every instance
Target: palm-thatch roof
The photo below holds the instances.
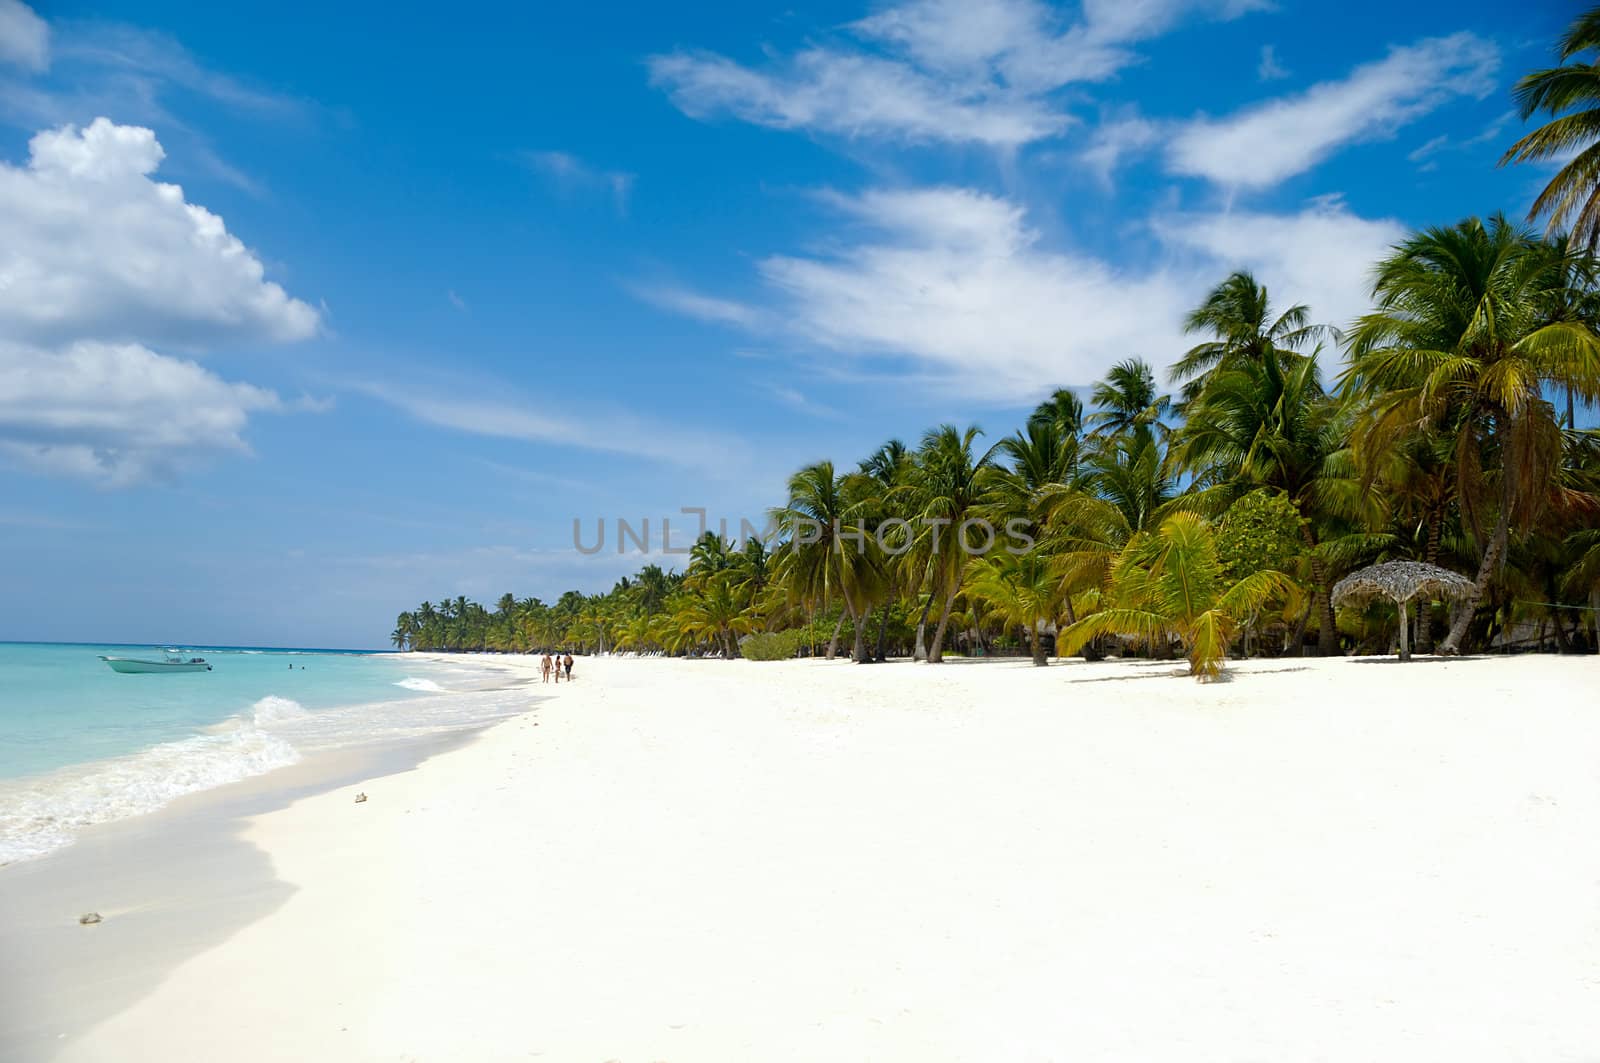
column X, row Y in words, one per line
column 1400, row 582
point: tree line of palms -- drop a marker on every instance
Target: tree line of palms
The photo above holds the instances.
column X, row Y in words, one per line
column 1439, row 427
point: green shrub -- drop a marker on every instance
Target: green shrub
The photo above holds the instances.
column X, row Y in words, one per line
column 1259, row 531
column 772, row 645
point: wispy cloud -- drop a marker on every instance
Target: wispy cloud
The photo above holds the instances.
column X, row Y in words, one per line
column 1270, row 142
column 800, row 402
column 1117, row 139
column 1269, row 69
column 24, row 36
column 1427, row 153
column 158, row 61
column 607, row 431
column 570, row 174
column 955, row 292
column 102, row 68
column 931, row 71
column 456, row 300
column 699, row 305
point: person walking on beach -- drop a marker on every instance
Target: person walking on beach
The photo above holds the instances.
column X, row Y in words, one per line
column 567, row 660
column 545, row 666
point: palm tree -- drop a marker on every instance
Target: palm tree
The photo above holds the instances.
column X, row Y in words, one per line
column 1460, row 343
column 1266, row 422
column 883, row 485
column 1570, row 95
column 1022, row 589
column 709, row 555
column 405, row 631
column 652, row 587
column 1168, row 584
column 714, row 614
column 1063, row 411
column 821, row 552
column 952, row 482
column 1127, row 401
column 1239, row 316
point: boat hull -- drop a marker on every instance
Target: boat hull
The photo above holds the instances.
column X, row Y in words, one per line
column 133, row 665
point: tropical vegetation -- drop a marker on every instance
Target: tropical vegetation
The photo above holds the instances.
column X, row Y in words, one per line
column 1213, row 519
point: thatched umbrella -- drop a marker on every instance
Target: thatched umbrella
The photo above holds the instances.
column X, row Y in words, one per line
column 1400, row 582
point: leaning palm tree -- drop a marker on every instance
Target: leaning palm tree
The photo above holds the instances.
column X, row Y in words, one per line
column 405, row 631
column 1169, row 584
column 1570, row 95
column 1461, row 342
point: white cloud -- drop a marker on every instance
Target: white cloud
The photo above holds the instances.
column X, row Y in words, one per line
column 117, row 413
column 954, row 289
column 1270, row 69
column 1272, row 141
column 955, row 282
column 1321, row 256
column 24, row 36
column 98, row 264
column 1118, row 139
column 959, row 71
column 570, row 173
column 95, row 248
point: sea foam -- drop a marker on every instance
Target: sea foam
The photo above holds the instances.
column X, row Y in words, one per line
column 41, row 813
column 425, row 685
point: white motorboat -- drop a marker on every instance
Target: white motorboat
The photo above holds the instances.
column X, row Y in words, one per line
column 174, row 661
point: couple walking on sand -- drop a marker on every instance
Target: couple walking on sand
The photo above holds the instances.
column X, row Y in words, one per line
column 556, row 664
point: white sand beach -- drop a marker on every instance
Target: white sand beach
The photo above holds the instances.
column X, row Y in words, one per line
column 702, row 860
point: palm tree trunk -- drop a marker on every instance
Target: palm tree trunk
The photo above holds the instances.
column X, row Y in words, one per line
column 1327, row 628
column 858, row 647
column 1039, row 659
column 883, row 631
column 936, row 651
column 1430, row 555
column 1480, row 586
column 833, row 643
column 920, row 653
column 1405, row 631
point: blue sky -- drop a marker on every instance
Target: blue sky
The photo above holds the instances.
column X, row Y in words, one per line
column 310, row 312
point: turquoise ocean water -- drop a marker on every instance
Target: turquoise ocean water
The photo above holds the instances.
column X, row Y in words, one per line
column 81, row 744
